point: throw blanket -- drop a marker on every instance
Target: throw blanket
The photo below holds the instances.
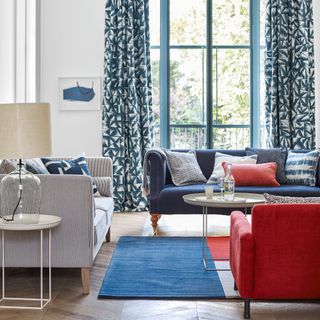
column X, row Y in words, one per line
column 146, row 169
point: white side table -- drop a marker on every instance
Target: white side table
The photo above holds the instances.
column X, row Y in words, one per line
column 46, row 222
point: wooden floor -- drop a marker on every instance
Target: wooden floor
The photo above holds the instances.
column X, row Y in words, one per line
column 68, row 302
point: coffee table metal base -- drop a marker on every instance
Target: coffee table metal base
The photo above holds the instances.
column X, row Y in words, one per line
column 205, row 259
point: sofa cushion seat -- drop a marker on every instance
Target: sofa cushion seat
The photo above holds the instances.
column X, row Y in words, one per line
column 100, row 223
column 103, row 203
column 171, row 202
column 103, row 214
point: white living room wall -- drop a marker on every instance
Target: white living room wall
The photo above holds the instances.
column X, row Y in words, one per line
column 72, row 45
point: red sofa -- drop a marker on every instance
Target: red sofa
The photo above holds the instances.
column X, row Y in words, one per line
column 278, row 255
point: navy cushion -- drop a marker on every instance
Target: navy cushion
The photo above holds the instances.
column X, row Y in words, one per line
column 277, row 155
column 77, row 166
column 171, row 201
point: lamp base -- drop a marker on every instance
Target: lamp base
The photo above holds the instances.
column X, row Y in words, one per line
column 20, row 197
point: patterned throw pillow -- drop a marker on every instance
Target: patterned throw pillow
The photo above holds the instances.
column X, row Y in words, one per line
column 271, row 199
column 77, row 166
column 278, row 155
column 218, row 171
column 184, row 168
column 301, row 167
column 36, row 166
column 104, row 185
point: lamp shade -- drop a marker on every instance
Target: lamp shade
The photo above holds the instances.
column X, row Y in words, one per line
column 25, row 130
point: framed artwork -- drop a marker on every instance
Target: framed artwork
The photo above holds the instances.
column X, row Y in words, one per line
column 80, row 93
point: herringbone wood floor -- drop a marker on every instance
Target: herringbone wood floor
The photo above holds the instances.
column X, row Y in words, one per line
column 68, row 302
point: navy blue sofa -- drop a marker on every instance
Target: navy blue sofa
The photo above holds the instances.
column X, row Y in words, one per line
column 166, row 198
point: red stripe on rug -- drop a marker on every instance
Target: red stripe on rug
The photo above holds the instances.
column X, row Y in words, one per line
column 219, row 247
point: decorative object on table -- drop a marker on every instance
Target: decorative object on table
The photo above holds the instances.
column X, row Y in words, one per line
column 24, row 133
column 301, row 168
column 82, row 93
column 76, row 166
column 278, row 155
column 219, row 158
column 270, row 198
column 229, row 183
column 263, row 174
column 172, row 270
column 184, row 168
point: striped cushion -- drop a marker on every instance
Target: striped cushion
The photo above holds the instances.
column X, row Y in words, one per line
column 104, row 185
column 301, row 168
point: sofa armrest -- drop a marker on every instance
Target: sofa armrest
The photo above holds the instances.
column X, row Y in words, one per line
column 100, row 166
column 157, row 174
column 242, row 253
column 71, row 198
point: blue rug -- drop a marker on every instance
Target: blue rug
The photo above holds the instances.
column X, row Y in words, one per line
column 160, row 267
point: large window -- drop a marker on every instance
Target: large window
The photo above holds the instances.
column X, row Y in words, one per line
column 18, row 76
column 205, row 66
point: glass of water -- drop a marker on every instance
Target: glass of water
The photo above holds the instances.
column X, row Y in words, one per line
column 221, row 187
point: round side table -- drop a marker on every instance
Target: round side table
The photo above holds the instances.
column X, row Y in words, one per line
column 46, row 222
column 242, row 200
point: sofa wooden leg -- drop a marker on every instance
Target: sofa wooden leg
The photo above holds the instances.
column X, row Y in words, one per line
column 235, row 286
column 154, row 222
column 85, row 276
column 108, row 235
column 246, row 314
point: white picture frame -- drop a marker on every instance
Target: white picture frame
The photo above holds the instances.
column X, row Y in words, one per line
column 79, row 93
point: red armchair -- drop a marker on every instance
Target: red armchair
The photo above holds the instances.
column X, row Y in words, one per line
column 278, row 255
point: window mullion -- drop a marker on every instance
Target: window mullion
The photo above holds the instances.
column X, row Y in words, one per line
column 209, row 74
column 255, row 72
column 164, row 73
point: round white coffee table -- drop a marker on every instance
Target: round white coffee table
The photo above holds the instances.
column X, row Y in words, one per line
column 46, row 222
column 241, row 201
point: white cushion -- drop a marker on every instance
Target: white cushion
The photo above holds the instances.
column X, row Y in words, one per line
column 218, row 171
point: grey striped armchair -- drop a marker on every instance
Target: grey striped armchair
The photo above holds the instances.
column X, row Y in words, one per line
column 85, row 222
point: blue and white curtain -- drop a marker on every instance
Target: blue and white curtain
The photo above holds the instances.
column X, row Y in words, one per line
column 127, row 103
column 289, row 71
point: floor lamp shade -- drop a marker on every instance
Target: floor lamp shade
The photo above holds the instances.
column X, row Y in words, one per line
column 25, row 130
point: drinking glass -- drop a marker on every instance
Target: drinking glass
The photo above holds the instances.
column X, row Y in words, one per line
column 221, row 187
column 208, row 191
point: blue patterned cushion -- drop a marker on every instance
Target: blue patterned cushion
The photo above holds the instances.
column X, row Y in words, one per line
column 301, row 167
column 76, row 166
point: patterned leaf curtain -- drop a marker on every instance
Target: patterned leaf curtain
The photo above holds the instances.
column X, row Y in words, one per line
column 127, row 103
column 289, row 72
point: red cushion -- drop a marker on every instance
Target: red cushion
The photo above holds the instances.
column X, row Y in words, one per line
column 263, row 174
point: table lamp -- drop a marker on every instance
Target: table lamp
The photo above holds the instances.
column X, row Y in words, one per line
column 25, row 132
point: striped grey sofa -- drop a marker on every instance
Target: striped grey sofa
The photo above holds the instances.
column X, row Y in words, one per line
column 85, row 222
